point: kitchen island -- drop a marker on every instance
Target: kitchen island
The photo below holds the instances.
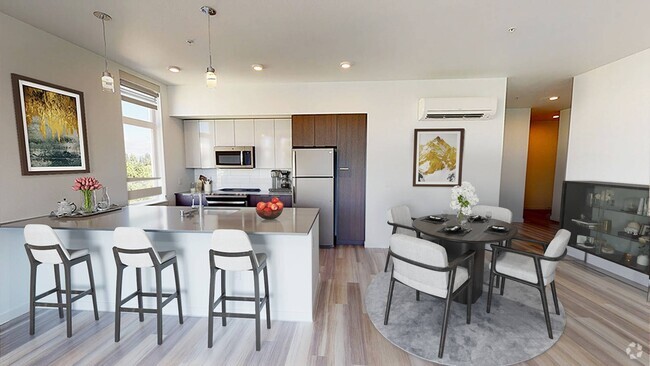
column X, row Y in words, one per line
column 290, row 242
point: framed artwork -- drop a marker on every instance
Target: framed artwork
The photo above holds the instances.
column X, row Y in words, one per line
column 51, row 125
column 438, row 157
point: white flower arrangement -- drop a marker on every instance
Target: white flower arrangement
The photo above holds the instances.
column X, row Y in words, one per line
column 463, row 197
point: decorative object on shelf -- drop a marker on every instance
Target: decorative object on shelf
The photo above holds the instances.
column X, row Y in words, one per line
column 641, row 208
column 104, row 201
column 627, row 257
column 438, row 157
column 606, row 225
column 645, row 230
column 64, row 208
column 210, row 76
column 108, row 84
column 51, row 127
column 463, row 197
column 87, row 187
column 606, row 197
column 632, row 228
column 642, row 258
column 269, row 210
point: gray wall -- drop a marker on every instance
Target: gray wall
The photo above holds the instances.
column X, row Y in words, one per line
column 515, row 156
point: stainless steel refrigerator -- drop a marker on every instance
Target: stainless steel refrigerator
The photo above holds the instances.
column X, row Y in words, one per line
column 313, row 186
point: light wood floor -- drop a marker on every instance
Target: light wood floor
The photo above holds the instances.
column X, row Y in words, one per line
column 603, row 317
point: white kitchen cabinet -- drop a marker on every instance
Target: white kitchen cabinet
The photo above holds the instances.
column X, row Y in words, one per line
column 206, row 143
column 192, row 146
column 283, row 144
column 224, row 132
column 244, row 132
column 264, row 144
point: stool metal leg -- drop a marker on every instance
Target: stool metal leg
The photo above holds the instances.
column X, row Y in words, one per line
column 256, row 277
column 223, row 293
column 213, row 272
column 68, row 299
column 178, row 293
column 138, row 280
column 59, row 299
column 266, row 295
column 159, row 325
column 32, row 298
column 118, row 302
column 93, row 293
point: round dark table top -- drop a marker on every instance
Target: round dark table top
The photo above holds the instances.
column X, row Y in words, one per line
column 479, row 234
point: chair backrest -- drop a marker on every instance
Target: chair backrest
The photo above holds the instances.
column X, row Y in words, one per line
column 555, row 248
column 401, row 215
column 498, row 213
column 232, row 241
column 43, row 235
column 134, row 238
column 421, row 251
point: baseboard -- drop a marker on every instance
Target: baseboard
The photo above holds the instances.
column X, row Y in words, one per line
column 14, row 313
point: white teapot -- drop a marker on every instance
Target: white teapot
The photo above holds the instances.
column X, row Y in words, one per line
column 65, row 208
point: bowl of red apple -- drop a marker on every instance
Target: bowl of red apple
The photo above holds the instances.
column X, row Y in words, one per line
column 269, row 210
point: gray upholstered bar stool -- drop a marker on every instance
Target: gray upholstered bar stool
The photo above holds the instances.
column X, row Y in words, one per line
column 44, row 246
column 232, row 251
column 133, row 248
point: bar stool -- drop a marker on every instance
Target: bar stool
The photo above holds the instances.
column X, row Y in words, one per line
column 232, row 251
column 44, row 246
column 133, row 248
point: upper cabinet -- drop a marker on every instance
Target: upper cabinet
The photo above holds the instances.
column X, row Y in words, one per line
column 283, row 144
column 206, row 144
column 225, row 132
column 192, row 146
column 244, row 132
column 314, row 130
column 302, row 130
column 264, row 143
column 325, row 130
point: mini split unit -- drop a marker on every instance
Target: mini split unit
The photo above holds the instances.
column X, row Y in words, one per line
column 456, row 109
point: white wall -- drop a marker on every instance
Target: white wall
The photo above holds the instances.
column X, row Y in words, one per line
column 392, row 116
column 560, row 162
column 31, row 52
column 513, row 167
column 610, row 123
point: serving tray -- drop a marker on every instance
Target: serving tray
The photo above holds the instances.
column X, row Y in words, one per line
column 79, row 215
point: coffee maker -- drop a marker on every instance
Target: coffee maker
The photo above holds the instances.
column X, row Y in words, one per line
column 280, row 181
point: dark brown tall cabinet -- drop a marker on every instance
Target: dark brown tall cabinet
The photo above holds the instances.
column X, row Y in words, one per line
column 347, row 133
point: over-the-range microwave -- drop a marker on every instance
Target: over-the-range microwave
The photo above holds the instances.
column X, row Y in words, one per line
column 235, row 157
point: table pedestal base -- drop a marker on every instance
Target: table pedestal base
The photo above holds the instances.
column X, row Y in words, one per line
column 455, row 250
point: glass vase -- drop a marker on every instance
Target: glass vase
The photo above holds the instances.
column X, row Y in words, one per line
column 87, row 201
column 104, row 202
column 462, row 219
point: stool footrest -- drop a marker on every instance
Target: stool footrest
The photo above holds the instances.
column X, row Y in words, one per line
column 263, row 300
column 50, row 292
column 233, row 315
column 169, row 297
column 136, row 310
column 79, row 294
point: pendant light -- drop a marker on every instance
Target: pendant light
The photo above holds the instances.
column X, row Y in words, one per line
column 108, row 85
column 210, row 76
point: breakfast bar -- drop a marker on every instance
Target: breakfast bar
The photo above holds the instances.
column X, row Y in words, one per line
column 290, row 243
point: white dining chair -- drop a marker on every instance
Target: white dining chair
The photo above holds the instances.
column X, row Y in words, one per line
column 399, row 217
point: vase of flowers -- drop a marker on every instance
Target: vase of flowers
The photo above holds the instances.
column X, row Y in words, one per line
column 463, row 197
column 87, row 187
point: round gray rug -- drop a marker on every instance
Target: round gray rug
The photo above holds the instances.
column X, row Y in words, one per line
column 514, row 330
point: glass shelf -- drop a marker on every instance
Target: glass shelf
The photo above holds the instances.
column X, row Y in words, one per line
column 616, row 257
column 614, row 209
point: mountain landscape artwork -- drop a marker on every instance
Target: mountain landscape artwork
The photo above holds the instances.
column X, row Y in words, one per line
column 438, row 157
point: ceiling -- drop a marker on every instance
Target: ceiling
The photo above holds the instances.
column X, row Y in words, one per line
column 305, row 40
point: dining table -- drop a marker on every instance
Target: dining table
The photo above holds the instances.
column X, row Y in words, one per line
column 476, row 234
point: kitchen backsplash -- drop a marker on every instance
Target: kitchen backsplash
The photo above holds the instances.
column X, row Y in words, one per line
column 236, row 178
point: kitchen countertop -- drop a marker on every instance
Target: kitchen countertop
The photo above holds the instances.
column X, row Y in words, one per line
column 168, row 219
column 263, row 192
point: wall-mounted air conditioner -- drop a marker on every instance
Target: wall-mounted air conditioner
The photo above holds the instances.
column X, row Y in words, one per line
column 456, row 109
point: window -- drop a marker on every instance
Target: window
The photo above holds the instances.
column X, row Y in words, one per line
column 142, row 142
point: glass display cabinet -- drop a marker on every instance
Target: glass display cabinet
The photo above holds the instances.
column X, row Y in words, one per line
column 608, row 220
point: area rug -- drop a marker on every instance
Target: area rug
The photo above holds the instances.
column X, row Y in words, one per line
column 514, row 330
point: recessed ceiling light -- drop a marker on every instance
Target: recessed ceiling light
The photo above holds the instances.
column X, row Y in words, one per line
column 346, row 65
column 556, row 116
column 257, row 67
column 554, row 98
column 512, row 29
column 174, row 69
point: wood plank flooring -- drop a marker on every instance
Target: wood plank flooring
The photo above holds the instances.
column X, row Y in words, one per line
column 603, row 317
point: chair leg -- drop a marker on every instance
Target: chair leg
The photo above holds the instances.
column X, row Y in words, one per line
column 469, row 301
column 489, row 299
column 118, row 301
column 417, row 295
column 389, row 300
column 138, row 285
column 213, row 272
column 386, row 265
column 32, row 299
column 223, row 294
column 266, row 295
column 178, row 293
column 68, row 300
column 159, row 324
column 547, row 317
column 93, row 292
column 503, row 285
column 59, row 299
column 256, row 281
column 554, row 291
column 445, row 322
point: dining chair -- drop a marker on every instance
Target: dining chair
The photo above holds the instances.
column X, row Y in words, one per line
column 532, row 269
column 498, row 213
column 424, row 266
column 399, row 217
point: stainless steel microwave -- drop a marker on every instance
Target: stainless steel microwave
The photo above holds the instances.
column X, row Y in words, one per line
column 235, row 157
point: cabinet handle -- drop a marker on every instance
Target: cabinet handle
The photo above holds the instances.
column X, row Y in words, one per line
column 344, row 168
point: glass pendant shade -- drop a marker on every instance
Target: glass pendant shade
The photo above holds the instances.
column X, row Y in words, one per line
column 210, row 78
column 108, row 85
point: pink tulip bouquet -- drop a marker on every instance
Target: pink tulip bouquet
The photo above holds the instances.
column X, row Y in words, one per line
column 87, row 185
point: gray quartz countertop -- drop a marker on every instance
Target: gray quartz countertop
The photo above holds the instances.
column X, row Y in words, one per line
column 168, row 219
column 263, row 192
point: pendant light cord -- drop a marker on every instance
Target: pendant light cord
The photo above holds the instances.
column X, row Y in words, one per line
column 209, row 40
column 104, row 32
